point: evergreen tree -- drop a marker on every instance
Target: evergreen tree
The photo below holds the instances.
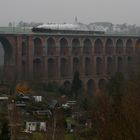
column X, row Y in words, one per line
column 84, row 104
column 115, row 86
column 76, row 85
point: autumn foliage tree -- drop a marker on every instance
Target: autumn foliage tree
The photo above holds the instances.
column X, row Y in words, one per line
column 116, row 115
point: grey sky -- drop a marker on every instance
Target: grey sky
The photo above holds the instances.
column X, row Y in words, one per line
column 87, row 11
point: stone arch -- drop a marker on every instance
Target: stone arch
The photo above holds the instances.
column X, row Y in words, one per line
column 110, row 66
column 129, row 64
column 38, row 47
column 87, row 66
column 91, row 87
column 23, row 70
column 129, row 46
column 98, row 46
column 87, row 48
column 76, row 65
column 120, row 65
column 8, row 71
column 137, row 47
column 1, row 62
column 75, row 46
column 119, row 46
column 129, row 59
column 67, row 84
column 8, row 50
column 37, row 68
column 1, row 55
column 63, row 67
column 64, row 46
column 102, row 84
column 24, row 49
column 109, row 48
column 99, row 66
column 51, row 68
column 51, row 46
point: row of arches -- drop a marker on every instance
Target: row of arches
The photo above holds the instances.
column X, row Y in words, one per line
column 119, row 47
column 91, row 85
column 66, row 67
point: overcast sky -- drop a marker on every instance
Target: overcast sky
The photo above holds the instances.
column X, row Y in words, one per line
column 60, row 11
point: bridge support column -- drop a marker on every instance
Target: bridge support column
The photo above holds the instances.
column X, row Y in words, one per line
column 30, row 57
column 58, row 67
column 94, row 66
column 82, row 66
column 104, row 65
column 44, row 58
column 58, row 59
column 116, row 64
column 18, row 58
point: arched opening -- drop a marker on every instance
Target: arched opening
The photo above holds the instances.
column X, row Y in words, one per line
column 119, row 47
column 51, row 68
column 24, row 49
column 7, row 62
column 51, row 50
column 1, row 61
column 38, row 47
column 129, row 47
column 8, row 51
column 23, row 69
column 137, row 47
column 120, row 65
column 63, row 67
column 110, row 66
column 67, row 83
column 99, row 66
column 87, row 66
column 87, row 49
column 37, row 68
column 98, row 47
column 67, row 86
column 64, row 47
column 109, row 49
column 129, row 60
column 102, row 84
column 91, row 88
column 129, row 65
column 75, row 46
column 76, row 65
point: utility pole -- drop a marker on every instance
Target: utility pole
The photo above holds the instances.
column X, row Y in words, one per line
column 13, row 119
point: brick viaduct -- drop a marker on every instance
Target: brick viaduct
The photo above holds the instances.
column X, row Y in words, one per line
column 55, row 57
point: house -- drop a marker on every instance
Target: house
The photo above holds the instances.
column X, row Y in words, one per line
column 37, row 98
column 43, row 113
column 5, row 98
column 32, row 126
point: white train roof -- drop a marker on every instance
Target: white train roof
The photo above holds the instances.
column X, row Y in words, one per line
column 65, row 26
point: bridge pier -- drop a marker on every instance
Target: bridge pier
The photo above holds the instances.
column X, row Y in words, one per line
column 30, row 57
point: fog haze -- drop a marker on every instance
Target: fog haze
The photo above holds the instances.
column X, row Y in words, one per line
column 60, row 11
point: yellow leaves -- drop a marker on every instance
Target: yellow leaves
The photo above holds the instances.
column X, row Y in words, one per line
column 23, row 87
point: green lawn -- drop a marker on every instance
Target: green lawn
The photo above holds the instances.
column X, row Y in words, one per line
column 70, row 137
column 37, row 136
